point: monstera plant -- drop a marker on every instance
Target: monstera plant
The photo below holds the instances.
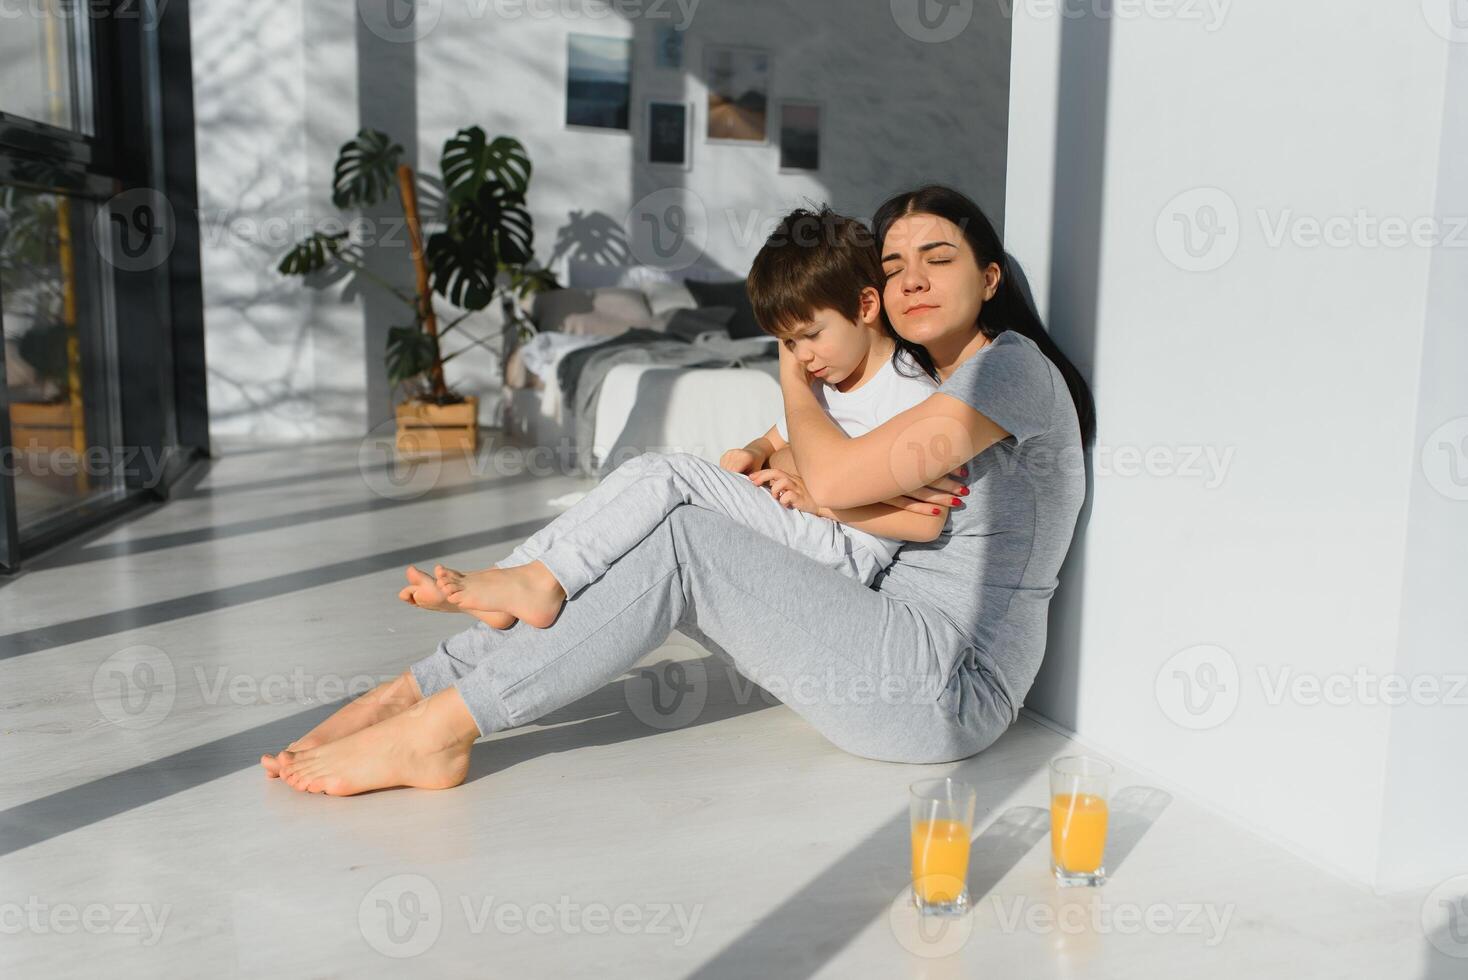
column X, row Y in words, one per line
column 481, row 246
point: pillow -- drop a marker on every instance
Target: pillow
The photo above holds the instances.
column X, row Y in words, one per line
column 595, row 323
column 664, row 291
column 553, row 306
column 742, row 323
column 688, row 324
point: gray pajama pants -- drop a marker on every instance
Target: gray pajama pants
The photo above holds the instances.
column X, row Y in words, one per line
column 581, row 544
column 878, row 676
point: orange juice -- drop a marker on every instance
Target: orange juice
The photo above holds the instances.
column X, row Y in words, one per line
column 1077, row 831
column 939, row 860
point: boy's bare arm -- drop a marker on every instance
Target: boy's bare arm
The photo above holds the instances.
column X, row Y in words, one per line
column 882, row 519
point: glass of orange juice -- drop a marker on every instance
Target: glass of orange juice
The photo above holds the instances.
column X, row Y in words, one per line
column 1078, row 820
column 942, row 824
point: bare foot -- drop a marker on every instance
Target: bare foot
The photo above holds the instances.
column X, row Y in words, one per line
column 530, row 591
column 378, row 704
column 426, row 746
column 423, row 591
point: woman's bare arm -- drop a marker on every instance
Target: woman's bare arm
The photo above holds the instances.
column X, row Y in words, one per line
column 902, row 518
column 913, row 449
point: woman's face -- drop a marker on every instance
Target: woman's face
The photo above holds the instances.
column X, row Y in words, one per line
column 934, row 287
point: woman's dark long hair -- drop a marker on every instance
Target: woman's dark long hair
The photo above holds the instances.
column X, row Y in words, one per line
column 1009, row 309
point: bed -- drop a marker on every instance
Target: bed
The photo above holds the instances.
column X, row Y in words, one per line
column 640, row 407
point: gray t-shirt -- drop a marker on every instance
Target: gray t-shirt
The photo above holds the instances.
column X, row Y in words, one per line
column 993, row 569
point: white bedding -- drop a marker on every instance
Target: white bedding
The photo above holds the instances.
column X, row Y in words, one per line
column 703, row 411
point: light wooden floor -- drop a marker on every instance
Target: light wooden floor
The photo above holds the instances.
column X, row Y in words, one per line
column 142, row 673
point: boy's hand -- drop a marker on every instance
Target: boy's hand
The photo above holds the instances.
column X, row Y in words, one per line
column 739, row 461
column 787, row 489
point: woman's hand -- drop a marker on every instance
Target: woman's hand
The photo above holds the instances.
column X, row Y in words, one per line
column 945, row 491
column 787, row 489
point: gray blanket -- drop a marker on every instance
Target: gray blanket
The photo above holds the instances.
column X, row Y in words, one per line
column 582, row 372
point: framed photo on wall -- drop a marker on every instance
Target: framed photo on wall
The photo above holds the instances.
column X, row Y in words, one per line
column 800, row 137
column 598, row 81
column 738, row 82
column 669, row 132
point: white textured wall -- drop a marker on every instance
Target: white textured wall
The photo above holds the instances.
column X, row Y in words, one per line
column 277, row 95
column 1298, row 365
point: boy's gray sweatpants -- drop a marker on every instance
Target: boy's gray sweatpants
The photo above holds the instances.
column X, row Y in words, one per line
column 878, row 676
column 581, row 544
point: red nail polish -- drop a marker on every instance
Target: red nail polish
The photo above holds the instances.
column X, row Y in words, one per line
column 935, row 510
column 963, row 491
column 956, row 501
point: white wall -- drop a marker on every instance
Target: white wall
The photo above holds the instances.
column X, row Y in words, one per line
column 276, row 99
column 1311, row 372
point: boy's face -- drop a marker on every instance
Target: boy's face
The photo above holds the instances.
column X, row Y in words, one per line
column 830, row 346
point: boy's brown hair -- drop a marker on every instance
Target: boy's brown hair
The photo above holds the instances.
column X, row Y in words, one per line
column 813, row 260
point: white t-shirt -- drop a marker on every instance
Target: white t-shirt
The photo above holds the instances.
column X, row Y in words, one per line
column 886, row 393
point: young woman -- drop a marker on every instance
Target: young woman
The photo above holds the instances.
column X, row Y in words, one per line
column 930, row 664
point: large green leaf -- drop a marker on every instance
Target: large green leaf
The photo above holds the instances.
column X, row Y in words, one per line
column 312, row 254
column 497, row 216
column 463, row 270
column 469, row 162
column 410, row 353
column 365, row 170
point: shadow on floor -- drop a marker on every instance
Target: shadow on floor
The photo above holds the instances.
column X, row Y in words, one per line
column 604, row 717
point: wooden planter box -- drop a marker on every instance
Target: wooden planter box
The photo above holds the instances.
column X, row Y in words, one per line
column 41, row 426
column 426, row 429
